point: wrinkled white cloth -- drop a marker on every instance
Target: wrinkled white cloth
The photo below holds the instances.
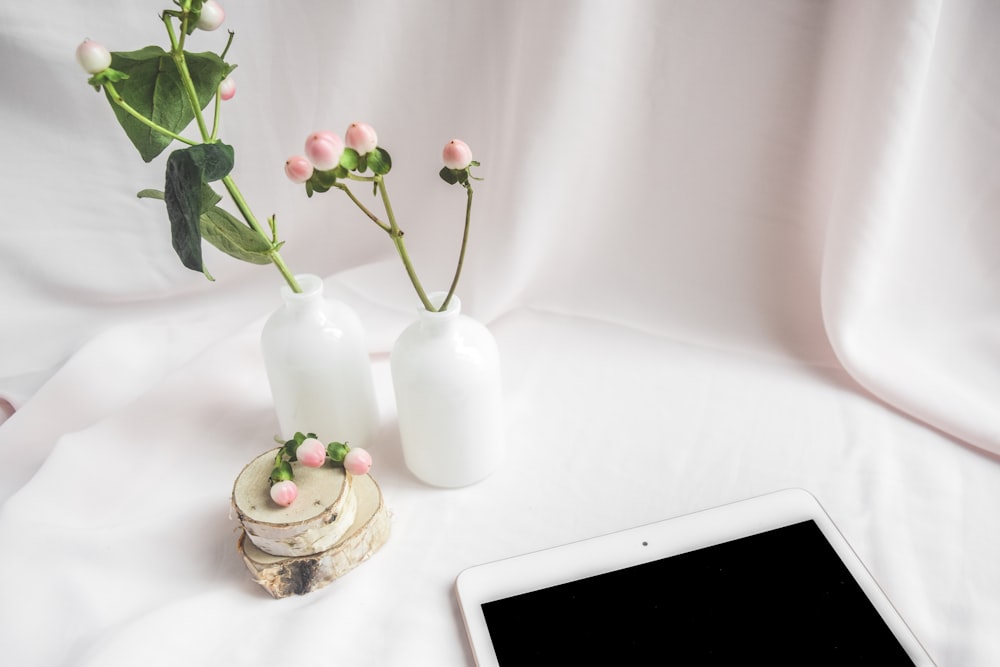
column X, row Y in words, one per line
column 725, row 248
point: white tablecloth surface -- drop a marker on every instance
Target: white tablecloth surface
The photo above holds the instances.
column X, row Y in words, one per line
column 725, row 249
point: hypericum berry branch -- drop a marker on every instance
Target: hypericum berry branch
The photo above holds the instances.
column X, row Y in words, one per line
column 153, row 124
column 329, row 162
column 308, row 450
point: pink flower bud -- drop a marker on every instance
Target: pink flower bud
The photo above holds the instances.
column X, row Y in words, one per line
column 324, row 148
column 457, row 154
column 227, row 88
column 93, row 57
column 298, row 169
column 361, row 137
column 284, row 493
column 211, row 17
column 358, row 461
column 311, row 453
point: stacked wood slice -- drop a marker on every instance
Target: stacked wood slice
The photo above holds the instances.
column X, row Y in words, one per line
column 337, row 522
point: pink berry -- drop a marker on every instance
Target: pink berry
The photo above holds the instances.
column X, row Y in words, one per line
column 323, row 148
column 358, row 461
column 93, row 57
column 212, row 15
column 284, row 493
column 298, row 169
column 457, row 154
column 361, row 137
column 311, row 453
column 227, row 88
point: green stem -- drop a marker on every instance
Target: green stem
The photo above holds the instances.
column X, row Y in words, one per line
column 192, row 94
column 251, row 219
column 364, row 209
column 177, row 54
column 397, row 238
column 461, row 254
column 365, row 179
column 215, row 118
column 286, row 274
column 168, row 22
column 229, row 42
column 218, row 97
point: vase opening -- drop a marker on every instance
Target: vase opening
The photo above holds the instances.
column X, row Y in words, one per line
column 436, row 299
column 312, row 288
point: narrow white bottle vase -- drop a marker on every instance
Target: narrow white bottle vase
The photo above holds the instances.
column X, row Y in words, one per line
column 318, row 368
column 446, row 378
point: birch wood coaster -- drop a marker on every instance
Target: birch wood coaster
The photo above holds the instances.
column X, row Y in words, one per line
column 285, row 576
column 319, row 517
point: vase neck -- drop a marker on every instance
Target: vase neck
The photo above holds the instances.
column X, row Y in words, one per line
column 430, row 317
column 312, row 292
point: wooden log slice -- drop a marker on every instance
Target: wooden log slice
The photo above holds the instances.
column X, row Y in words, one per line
column 319, row 517
column 298, row 575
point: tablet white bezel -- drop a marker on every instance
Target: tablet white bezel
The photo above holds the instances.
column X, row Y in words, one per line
column 643, row 544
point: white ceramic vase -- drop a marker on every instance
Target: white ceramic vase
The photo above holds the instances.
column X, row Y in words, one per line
column 318, row 368
column 446, row 377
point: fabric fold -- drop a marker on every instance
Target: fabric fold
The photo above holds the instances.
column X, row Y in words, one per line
column 907, row 316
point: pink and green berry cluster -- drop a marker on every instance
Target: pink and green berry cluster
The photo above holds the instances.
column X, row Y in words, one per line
column 328, row 158
column 309, row 451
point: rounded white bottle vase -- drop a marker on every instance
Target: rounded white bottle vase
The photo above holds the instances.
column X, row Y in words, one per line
column 318, row 368
column 446, row 378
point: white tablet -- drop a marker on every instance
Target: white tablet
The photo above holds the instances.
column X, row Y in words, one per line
column 768, row 580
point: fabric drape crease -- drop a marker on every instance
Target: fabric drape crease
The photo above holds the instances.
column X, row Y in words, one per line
column 910, row 290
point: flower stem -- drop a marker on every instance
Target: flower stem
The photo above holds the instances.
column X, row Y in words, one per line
column 461, row 254
column 397, row 238
column 229, row 42
column 192, row 94
column 251, row 219
column 218, row 112
column 364, row 209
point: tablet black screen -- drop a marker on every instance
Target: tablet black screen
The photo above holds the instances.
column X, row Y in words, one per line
column 782, row 597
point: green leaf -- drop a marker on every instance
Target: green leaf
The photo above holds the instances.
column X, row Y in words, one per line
column 109, row 75
column 349, row 159
column 337, row 451
column 223, row 230
column 182, row 194
column 450, row 176
column 215, row 160
column 153, row 88
column 321, row 181
column 281, row 472
column 327, row 178
column 209, row 197
column 379, row 161
column 191, row 207
column 234, row 238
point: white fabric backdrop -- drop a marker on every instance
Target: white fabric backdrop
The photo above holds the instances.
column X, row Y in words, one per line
column 751, row 244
